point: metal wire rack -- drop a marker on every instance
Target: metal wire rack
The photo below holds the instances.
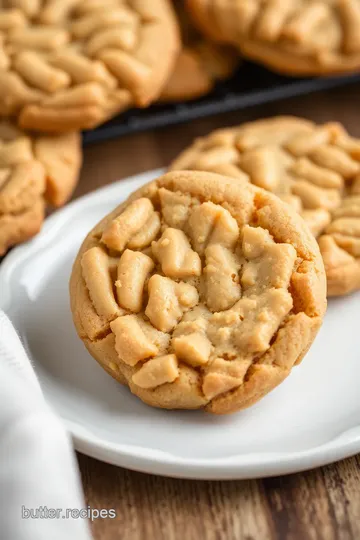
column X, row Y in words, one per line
column 251, row 85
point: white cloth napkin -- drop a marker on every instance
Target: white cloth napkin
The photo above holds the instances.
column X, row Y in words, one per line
column 38, row 469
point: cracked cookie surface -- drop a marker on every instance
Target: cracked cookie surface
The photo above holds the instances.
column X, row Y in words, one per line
column 296, row 37
column 198, row 292
column 34, row 170
column 70, row 65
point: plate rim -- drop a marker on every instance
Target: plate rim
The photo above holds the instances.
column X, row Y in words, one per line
column 148, row 460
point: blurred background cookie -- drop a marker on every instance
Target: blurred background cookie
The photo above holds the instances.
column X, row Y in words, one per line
column 291, row 157
column 34, row 170
column 70, row 65
column 314, row 168
column 200, row 63
column 295, row 37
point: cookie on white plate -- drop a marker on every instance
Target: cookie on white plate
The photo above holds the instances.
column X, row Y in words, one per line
column 199, row 292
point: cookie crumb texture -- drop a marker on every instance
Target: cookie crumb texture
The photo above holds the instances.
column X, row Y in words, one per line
column 34, row 170
column 198, row 292
column 70, row 65
column 296, row 37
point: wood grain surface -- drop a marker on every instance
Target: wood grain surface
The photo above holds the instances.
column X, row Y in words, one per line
column 323, row 504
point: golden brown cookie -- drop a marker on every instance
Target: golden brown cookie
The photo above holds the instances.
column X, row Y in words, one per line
column 199, row 292
column 197, row 69
column 307, row 165
column 296, row 37
column 70, row 65
column 200, row 64
column 33, row 170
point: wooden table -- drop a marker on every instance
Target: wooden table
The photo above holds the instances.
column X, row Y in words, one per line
column 322, row 504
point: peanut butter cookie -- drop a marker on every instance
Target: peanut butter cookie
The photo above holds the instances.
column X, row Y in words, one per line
column 33, row 170
column 306, row 165
column 200, row 64
column 312, row 167
column 199, row 292
column 197, row 70
column 296, row 37
column 70, row 65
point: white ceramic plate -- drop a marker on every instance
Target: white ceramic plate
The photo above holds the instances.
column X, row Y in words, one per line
column 313, row 418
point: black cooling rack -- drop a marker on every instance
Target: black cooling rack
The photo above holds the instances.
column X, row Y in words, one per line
column 251, row 85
